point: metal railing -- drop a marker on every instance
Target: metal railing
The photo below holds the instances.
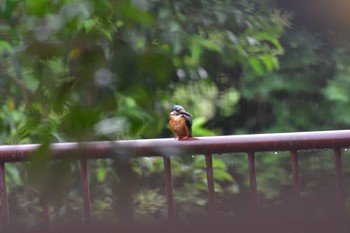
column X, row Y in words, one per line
column 207, row 146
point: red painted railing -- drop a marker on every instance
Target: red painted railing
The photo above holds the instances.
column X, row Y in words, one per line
column 207, row 146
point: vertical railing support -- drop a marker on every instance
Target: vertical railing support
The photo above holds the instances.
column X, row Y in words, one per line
column 295, row 175
column 45, row 208
column 85, row 189
column 339, row 177
column 252, row 182
column 5, row 219
column 211, row 188
column 169, row 189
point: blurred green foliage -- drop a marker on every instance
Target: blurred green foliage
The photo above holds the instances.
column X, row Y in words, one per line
column 87, row 70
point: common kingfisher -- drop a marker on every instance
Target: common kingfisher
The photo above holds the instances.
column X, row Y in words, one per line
column 180, row 122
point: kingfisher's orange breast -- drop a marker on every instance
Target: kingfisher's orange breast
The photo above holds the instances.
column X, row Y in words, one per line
column 178, row 126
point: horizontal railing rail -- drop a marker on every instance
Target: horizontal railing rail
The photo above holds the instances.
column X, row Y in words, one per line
column 201, row 145
column 207, row 146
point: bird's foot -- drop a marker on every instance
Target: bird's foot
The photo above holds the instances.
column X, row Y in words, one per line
column 190, row 138
column 185, row 138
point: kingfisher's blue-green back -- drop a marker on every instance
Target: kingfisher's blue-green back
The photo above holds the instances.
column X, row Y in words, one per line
column 188, row 124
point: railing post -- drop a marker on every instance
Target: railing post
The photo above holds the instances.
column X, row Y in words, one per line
column 45, row 209
column 339, row 177
column 126, row 187
column 169, row 189
column 85, row 189
column 296, row 178
column 252, row 182
column 5, row 219
column 211, row 188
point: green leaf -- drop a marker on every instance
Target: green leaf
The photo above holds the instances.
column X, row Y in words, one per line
column 37, row 7
column 272, row 39
column 196, row 51
column 210, row 45
column 268, row 62
column 198, row 44
column 13, row 174
column 199, row 162
column 338, row 90
column 90, row 24
column 131, row 13
column 222, row 175
column 198, row 127
column 101, row 173
column 256, row 65
column 5, row 47
column 219, row 164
